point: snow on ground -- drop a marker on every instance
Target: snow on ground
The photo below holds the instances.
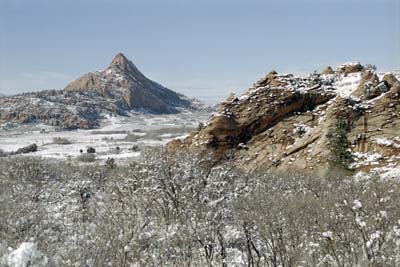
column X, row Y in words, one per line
column 347, row 84
column 27, row 255
column 390, row 172
column 115, row 138
column 386, row 142
column 366, row 159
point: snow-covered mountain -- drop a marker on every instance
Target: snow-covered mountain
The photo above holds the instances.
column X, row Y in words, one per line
column 119, row 89
column 122, row 80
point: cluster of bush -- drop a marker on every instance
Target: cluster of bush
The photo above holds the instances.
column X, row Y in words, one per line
column 186, row 211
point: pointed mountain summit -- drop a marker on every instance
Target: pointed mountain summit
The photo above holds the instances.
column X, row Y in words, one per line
column 122, row 80
column 119, row 60
column 121, row 63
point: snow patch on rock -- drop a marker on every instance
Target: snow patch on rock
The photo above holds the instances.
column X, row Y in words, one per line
column 346, row 85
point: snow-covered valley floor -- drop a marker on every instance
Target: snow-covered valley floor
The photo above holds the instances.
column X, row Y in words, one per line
column 118, row 137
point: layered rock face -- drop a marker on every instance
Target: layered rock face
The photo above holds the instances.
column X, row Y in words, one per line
column 287, row 123
column 122, row 80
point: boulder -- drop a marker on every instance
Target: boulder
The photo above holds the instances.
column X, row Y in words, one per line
column 271, row 79
column 328, row 71
column 348, row 68
column 377, row 90
column 392, row 83
column 395, row 89
column 369, row 86
column 390, row 79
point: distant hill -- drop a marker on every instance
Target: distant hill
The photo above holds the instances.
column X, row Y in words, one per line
column 118, row 89
column 124, row 81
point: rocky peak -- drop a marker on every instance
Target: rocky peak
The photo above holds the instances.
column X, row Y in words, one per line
column 120, row 62
column 122, row 80
column 328, row 71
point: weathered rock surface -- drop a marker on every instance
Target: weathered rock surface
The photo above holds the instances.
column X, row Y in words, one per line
column 350, row 67
column 370, row 86
column 327, row 71
column 286, row 123
column 392, row 83
column 122, row 80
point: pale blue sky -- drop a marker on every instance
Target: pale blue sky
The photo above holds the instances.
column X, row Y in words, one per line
column 203, row 48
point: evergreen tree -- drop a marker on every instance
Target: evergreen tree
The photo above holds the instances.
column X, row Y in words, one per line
column 339, row 153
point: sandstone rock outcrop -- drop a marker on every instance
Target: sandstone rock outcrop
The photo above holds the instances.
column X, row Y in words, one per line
column 350, row 67
column 370, row 86
column 392, row 83
column 328, row 71
column 286, row 123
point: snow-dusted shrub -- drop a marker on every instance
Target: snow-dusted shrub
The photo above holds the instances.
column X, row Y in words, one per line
column 91, row 150
column 190, row 211
column 301, row 129
column 110, row 162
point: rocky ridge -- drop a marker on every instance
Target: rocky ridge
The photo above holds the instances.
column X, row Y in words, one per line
column 117, row 90
column 286, row 123
column 65, row 110
column 122, row 80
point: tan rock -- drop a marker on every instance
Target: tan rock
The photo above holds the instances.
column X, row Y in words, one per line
column 395, row 88
column 283, row 130
column 122, row 80
column 368, row 87
column 390, row 79
column 271, row 79
column 328, row 70
column 350, row 68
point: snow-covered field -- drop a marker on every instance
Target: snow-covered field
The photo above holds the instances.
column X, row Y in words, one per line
column 115, row 138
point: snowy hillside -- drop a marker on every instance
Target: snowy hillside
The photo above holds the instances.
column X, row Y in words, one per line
column 120, row 137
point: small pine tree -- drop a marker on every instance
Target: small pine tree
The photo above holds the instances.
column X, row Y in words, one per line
column 339, row 153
